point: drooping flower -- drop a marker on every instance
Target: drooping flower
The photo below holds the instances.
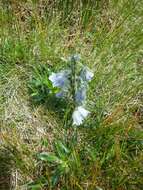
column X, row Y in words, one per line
column 86, row 74
column 89, row 75
column 80, row 95
column 59, row 79
column 79, row 115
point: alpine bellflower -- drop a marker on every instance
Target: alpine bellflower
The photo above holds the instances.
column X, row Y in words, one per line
column 80, row 95
column 63, row 81
column 79, row 115
column 59, row 79
column 86, row 74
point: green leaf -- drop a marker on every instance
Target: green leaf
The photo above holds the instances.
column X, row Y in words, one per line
column 61, row 148
column 55, row 178
column 34, row 187
column 34, row 94
column 49, row 157
column 47, row 82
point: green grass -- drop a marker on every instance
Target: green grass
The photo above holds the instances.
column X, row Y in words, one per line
column 108, row 151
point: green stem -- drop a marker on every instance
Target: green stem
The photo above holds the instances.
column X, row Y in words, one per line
column 73, row 81
column 71, row 134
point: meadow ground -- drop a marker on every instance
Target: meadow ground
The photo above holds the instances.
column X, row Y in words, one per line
column 38, row 35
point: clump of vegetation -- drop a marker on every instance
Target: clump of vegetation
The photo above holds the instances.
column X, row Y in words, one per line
column 45, row 150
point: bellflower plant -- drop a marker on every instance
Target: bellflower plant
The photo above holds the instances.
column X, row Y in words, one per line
column 73, row 84
column 80, row 95
column 79, row 114
column 61, row 80
column 86, row 74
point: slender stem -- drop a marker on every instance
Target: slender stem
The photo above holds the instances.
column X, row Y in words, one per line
column 70, row 109
column 71, row 134
column 73, row 81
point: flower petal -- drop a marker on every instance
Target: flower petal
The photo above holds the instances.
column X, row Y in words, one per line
column 83, row 111
column 80, row 95
column 77, row 118
column 86, row 74
column 79, row 115
column 59, row 79
column 89, row 75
